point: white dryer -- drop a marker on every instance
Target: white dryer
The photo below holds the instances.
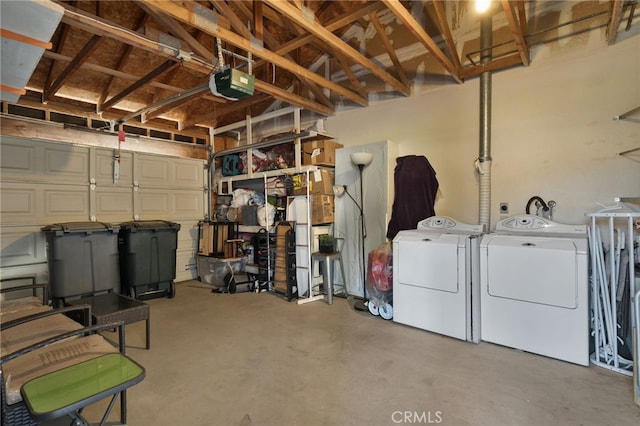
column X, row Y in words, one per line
column 436, row 278
column 535, row 287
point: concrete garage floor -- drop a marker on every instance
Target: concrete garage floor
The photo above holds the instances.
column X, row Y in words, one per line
column 254, row 359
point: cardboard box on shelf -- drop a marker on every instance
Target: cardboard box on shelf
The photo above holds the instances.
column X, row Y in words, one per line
column 321, row 182
column 320, row 153
column 322, row 209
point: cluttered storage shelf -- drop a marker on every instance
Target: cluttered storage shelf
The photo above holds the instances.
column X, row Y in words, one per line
column 271, row 199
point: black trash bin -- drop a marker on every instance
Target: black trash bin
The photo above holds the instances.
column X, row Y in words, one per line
column 148, row 258
column 82, row 258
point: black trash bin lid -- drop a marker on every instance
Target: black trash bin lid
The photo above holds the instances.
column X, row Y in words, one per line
column 149, row 225
column 80, row 227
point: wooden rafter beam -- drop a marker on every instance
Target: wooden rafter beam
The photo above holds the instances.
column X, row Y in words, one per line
column 522, row 17
column 180, row 32
column 516, row 31
column 258, row 20
column 495, row 65
column 207, row 24
column 121, row 75
column 93, row 24
column 416, row 29
column 304, row 20
column 60, row 41
column 33, row 100
column 441, row 15
column 331, row 25
column 274, row 45
column 189, row 16
column 174, row 102
column 122, row 61
column 344, row 63
column 166, row 78
column 614, row 21
column 155, row 73
column 72, row 67
column 223, row 110
column 389, row 48
column 281, row 94
column 269, row 41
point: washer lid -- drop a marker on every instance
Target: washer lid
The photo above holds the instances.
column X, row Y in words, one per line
column 528, row 224
column 448, row 225
column 431, row 237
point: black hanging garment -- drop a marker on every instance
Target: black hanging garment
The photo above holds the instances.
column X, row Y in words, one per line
column 415, row 186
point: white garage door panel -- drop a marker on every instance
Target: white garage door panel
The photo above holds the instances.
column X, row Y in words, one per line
column 50, row 182
column 152, row 171
column 188, row 235
column 66, row 204
column 66, row 164
column 185, row 265
column 187, row 247
column 22, row 245
column 25, row 159
column 189, row 204
column 28, row 204
column 37, row 270
column 165, row 172
column 104, row 168
column 169, row 204
column 153, row 204
column 18, row 203
column 18, row 159
column 188, row 174
column 113, row 204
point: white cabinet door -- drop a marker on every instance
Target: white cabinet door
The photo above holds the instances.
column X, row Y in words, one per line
column 377, row 203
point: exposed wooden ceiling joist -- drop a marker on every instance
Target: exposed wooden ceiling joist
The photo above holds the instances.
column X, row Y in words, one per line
column 443, row 24
column 155, row 73
column 180, row 32
column 309, row 23
column 188, row 16
column 72, row 67
column 122, row 60
column 414, row 27
column 388, row 47
column 614, row 21
column 516, row 29
column 317, row 55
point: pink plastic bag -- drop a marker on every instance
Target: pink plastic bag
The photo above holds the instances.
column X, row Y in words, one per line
column 380, row 273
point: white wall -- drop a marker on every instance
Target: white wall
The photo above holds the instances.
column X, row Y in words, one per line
column 553, row 132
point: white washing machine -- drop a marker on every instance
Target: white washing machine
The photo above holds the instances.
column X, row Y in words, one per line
column 436, row 278
column 535, row 287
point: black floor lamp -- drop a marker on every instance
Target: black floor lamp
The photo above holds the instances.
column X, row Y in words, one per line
column 361, row 160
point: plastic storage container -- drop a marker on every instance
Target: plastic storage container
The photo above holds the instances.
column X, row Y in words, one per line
column 148, row 258
column 212, row 270
column 82, row 258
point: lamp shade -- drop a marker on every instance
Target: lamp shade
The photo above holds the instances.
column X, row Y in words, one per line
column 339, row 190
column 361, row 158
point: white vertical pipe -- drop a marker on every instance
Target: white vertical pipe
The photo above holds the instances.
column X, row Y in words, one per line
column 483, row 164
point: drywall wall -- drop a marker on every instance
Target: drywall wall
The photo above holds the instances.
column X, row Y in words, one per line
column 553, row 132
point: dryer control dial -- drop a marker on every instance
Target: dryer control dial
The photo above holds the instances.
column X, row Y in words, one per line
column 525, row 222
column 436, row 222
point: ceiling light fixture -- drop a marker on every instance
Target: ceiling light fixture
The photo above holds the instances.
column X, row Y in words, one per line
column 482, row 5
